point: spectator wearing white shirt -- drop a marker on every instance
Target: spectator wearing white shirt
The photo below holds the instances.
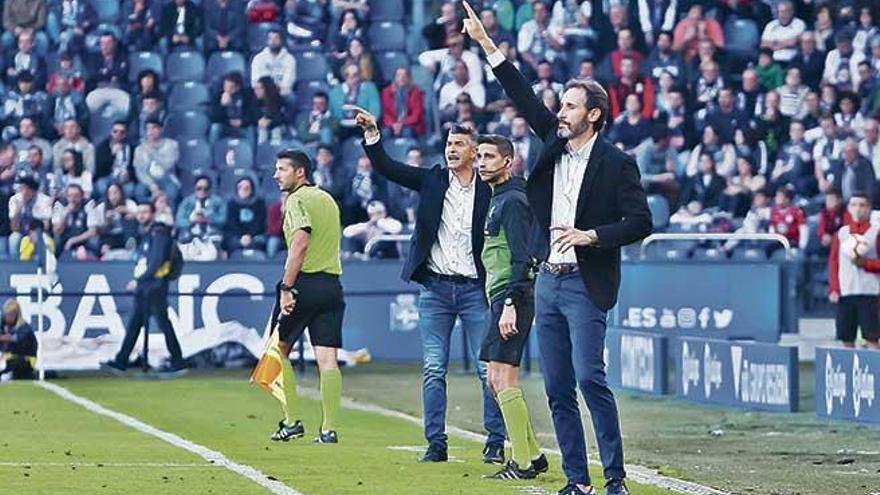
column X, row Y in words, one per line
column 781, row 34
column 72, row 139
column 536, row 41
column 442, row 62
column 29, row 213
column 461, row 84
column 276, row 62
column 792, row 95
column 842, row 63
column 75, row 225
column 379, row 223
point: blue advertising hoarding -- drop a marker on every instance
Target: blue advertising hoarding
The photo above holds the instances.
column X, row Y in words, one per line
column 741, row 374
column 847, row 385
column 636, row 361
column 708, row 300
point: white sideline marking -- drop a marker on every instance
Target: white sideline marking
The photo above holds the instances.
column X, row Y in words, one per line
column 173, row 465
column 639, row 474
column 212, row 456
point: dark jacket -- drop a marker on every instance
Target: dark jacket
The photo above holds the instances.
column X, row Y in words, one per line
column 192, row 21
column 865, row 179
column 235, row 25
column 611, row 200
column 508, row 231
column 113, row 73
column 154, row 254
column 431, row 184
column 709, row 196
column 104, row 160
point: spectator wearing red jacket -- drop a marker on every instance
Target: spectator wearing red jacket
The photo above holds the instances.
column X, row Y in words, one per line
column 403, row 108
column 631, row 83
column 853, row 281
column 787, row 219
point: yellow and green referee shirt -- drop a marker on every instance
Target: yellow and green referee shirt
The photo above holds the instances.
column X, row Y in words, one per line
column 313, row 209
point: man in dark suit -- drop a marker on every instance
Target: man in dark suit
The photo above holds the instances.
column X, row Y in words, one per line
column 181, row 23
column 225, row 27
column 445, row 259
column 588, row 202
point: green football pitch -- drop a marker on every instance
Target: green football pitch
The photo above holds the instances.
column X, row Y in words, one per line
column 51, row 445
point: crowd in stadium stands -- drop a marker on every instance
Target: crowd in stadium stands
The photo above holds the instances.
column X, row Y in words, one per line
column 752, row 115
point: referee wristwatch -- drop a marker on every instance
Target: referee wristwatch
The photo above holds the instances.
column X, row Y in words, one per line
column 508, row 302
column 288, row 288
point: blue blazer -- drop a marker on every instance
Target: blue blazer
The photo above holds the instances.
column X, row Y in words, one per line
column 431, row 184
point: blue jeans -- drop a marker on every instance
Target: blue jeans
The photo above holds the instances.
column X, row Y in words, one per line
column 440, row 302
column 571, row 339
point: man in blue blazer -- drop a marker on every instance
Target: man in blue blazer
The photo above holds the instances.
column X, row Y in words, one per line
column 445, row 259
column 588, row 202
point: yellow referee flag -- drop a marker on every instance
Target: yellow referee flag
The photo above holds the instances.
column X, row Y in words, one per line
column 267, row 373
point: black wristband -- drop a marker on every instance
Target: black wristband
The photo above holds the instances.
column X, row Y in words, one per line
column 288, row 288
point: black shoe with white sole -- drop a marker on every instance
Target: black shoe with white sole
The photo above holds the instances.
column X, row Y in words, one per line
column 616, row 487
column 512, row 471
column 328, row 437
column 573, row 489
column 284, row 432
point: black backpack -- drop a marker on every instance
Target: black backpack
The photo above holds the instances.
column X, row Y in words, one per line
column 176, row 260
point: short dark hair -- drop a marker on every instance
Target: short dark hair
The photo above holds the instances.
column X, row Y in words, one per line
column 149, row 203
column 833, row 191
column 502, row 143
column 202, row 177
column 297, row 159
column 464, row 129
column 597, row 97
column 321, row 94
column 861, row 194
column 787, row 191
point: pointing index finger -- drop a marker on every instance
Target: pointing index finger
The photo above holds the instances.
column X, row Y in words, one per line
column 470, row 10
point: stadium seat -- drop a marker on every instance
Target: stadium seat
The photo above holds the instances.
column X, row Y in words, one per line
column 268, row 188
column 189, row 95
column 187, row 177
column 228, row 178
column 387, row 10
column 709, row 254
column 311, row 66
column 305, row 90
column 397, row 147
column 387, row 36
column 141, row 61
column 107, row 10
column 388, row 63
column 194, row 153
column 101, row 122
column 185, row 65
column 222, row 63
column 242, row 156
column 190, row 124
column 351, row 150
column 247, row 255
column 749, row 254
column 659, row 207
column 741, row 38
column 257, row 34
column 661, row 251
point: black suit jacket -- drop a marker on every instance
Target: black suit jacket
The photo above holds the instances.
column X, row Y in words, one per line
column 611, row 200
column 192, row 20
column 431, row 184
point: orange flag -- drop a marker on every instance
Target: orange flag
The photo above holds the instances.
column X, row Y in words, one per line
column 267, row 373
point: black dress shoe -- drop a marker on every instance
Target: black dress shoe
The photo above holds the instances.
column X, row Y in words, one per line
column 435, row 453
column 540, row 464
column 493, row 454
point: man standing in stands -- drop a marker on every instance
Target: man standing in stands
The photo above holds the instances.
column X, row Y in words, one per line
column 853, row 280
column 588, row 202
column 445, row 260
column 150, row 287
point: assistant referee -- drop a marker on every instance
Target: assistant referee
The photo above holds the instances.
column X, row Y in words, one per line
column 309, row 294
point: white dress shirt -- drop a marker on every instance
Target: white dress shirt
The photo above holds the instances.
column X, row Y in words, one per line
column 453, row 252
column 568, row 175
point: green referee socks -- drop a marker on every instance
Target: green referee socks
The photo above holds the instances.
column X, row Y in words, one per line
column 331, row 395
column 516, row 419
column 534, row 446
column 289, row 378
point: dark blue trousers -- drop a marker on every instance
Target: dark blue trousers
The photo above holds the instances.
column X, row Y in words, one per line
column 571, row 339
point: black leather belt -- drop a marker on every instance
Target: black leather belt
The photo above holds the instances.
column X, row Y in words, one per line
column 455, row 279
column 559, row 268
